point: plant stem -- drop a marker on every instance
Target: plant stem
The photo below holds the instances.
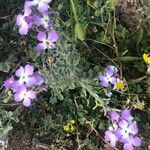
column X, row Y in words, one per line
column 74, row 10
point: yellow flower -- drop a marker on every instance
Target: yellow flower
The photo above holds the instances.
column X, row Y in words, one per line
column 146, row 58
column 66, row 128
column 70, row 127
column 120, row 85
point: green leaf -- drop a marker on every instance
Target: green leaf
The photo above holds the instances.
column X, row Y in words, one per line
column 59, row 95
column 5, row 66
column 128, row 58
column 140, row 36
column 76, row 60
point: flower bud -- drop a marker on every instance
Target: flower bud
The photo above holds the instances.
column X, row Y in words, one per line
column 80, row 31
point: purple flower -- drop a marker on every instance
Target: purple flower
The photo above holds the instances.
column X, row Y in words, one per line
column 25, row 96
column 9, row 82
column 44, row 21
column 107, row 78
column 46, row 42
column 134, row 141
column 24, row 22
column 111, row 138
column 23, row 82
column 25, row 76
column 42, row 5
column 125, row 129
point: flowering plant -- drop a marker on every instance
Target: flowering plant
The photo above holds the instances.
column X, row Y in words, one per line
column 72, row 76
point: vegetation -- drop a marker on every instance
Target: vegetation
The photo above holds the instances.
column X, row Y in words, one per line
column 68, row 67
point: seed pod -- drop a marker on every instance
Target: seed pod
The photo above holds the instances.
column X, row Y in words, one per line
column 80, row 31
column 130, row 13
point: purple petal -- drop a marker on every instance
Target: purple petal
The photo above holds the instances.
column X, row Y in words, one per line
column 42, row 7
column 20, row 71
column 29, row 70
column 118, row 133
column 53, row 36
column 113, row 68
column 40, row 47
column 123, row 124
column 27, row 11
column 20, row 20
column 37, row 20
column 110, row 137
column 16, row 86
column 104, row 81
column 109, row 72
column 41, row 36
column 28, row 4
column 31, row 94
column 26, row 102
column 9, row 82
column 22, row 89
column 112, row 80
column 23, row 30
column 31, row 81
column 114, row 115
column 136, row 141
column 39, row 79
column 133, row 128
column 128, row 147
column 107, row 136
column 17, row 97
column 126, row 114
column 125, row 138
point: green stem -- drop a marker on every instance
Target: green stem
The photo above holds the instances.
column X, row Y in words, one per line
column 74, row 10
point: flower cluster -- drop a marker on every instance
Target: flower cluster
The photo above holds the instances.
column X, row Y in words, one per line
column 124, row 129
column 37, row 16
column 23, row 83
column 70, row 127
column 110, row 77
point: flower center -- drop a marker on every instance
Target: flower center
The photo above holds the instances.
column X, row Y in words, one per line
column 120, row 85
column 24, row 94
column 125, row 132
column 109, row 78
column 23, row 79
column 47, row 43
